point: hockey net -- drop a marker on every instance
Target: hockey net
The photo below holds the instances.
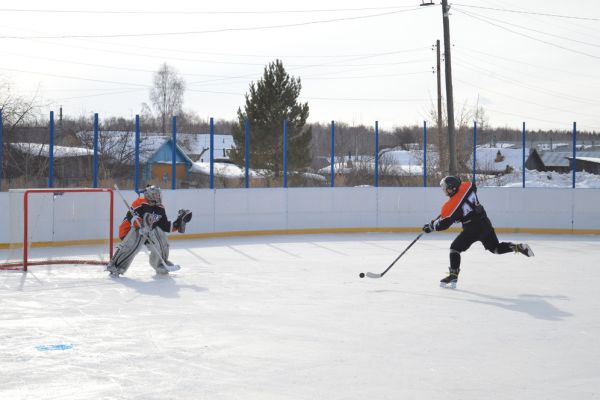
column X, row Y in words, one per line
column 58, row 226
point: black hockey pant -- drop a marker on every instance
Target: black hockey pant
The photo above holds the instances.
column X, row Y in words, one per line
column 477, row 231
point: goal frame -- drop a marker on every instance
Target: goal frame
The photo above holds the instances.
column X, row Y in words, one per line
column 25, row 262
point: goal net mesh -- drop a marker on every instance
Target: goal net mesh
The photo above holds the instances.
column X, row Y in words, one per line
column 58, row 226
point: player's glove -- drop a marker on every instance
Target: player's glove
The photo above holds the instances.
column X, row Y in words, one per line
column 428, row 228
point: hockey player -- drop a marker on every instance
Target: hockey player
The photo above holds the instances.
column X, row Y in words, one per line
column 146, row 223
column 463, row 206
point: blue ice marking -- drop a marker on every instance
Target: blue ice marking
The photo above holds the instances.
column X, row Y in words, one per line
column 53, row 347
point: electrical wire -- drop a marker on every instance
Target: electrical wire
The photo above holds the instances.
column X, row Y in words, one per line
column 528, row 12
column 222, row 30
column 528, row 36
column 189, row 12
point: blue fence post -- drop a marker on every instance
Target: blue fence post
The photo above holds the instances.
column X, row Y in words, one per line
column 212, row 153
column 51, row 152
column 174, row 155
column 136, row 174
column 376, row 153
column 523, row 154
column 247, row 153
column 424, row 153
column 1, row 149
column 332, row 166
column 474, row 149
column 574, row 150
column 285, row 144
column 95, row 145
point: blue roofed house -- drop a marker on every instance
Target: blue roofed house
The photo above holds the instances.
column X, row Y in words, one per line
column 155, row 156
column 157, row 165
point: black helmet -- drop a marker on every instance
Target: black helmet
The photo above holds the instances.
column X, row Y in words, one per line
column 450, row 184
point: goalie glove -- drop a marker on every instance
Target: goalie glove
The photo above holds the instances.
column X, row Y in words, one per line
column 183, row 218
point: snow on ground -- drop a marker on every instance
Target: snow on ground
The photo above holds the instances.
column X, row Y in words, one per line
column 533, row 178
column 288, row 318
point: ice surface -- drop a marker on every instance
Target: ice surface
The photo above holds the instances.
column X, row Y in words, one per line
column 288, row 318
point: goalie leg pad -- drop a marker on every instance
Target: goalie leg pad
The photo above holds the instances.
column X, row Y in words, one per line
column 158, row 242
column 125, row 252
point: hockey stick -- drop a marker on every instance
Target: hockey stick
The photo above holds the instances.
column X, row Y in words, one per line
column 373, row 275
column 147, row 238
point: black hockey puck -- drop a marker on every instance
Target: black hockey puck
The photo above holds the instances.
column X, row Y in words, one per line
column 362, row 275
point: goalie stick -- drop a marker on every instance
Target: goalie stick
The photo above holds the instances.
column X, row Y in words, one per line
column 170, row 268
column 374, row 275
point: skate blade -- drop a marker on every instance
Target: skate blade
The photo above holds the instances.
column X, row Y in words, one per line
column 173, row 268
column 451, row 285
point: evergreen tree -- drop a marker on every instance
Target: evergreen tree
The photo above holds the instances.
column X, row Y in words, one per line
column 269, row 102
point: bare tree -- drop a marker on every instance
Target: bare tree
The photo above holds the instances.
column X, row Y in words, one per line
column 166, row 94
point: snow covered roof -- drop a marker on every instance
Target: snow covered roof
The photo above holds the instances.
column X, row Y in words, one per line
column 588, row 159
column 391, row 162
column 43, row 150
column 222, row 170
column 196, row 144
column 497, row 145
column 488, row 159
column 401, row 157
column 190, row 143
column 561, row 158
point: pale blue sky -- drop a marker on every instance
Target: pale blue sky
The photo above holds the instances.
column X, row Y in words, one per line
column 358, row 61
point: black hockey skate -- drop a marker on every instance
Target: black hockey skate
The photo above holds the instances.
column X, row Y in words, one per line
column 524, row 249
column 451, row 280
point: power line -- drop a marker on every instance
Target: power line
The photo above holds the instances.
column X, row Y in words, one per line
column 74, row 77
column 540, row 66
column 528, row 12
column 527, row 36
column 503, row 78
column 255, row 28
column 534, row 30
column 526, row 101
column 189, row 12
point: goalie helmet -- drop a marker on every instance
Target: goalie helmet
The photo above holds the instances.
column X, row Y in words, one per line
column 450, row 185
column 153, row 194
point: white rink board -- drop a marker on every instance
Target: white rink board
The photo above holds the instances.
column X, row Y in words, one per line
column 229, row 210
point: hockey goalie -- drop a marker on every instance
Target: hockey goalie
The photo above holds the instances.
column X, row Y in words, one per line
column 146, row 223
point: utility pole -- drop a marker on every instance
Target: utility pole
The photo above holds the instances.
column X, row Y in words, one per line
column 440, row 127
column 449, row 95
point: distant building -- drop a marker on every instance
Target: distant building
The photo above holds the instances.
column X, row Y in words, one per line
column 71, row 165
column 197, row 146
column 561, row 161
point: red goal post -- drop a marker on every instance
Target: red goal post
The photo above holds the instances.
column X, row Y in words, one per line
column 43, row 222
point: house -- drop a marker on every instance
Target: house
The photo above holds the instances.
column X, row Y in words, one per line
column 561, row 161
column 197, row 146
column 495, row 160
column 393, row 162
column 588, row 164
column 72, row 165
column 155, row 155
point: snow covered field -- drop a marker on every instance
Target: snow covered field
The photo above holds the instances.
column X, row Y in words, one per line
column 288, row 318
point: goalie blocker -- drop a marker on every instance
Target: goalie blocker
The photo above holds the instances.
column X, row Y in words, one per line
column 146, row 223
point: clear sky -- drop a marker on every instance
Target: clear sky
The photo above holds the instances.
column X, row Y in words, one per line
column 535, row 61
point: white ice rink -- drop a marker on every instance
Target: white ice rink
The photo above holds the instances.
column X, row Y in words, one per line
column 288, row 318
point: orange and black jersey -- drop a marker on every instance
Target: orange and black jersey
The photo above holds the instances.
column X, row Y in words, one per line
column 141, row 207
column 462, row 207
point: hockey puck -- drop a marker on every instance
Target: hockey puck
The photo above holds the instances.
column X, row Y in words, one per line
column 361, row 275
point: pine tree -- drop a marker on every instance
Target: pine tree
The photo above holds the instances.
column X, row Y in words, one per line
column 271, row 101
